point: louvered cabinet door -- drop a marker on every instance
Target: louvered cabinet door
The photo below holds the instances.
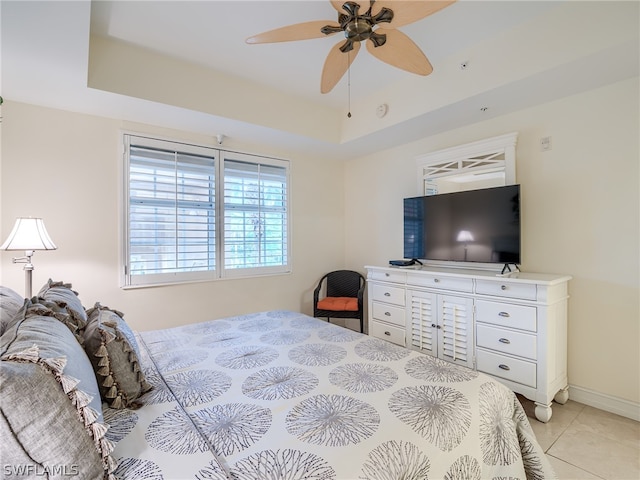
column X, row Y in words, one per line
column 455, row 332
column 422, row 323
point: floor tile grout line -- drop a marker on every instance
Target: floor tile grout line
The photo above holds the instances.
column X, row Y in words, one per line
column 564, row 431
column 578, row 467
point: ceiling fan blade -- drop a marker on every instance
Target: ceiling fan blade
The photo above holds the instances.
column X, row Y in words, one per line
column 336, row 65
column 299, row 31
column 400, row 51
column 408, row 11
column 364, row 5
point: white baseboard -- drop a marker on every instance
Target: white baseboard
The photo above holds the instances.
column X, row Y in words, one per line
column 608, row 403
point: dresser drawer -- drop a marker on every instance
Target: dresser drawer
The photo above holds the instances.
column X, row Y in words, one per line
column 521, row 317
column 513, row 369
column 384, row 276
column 387, row 332
column 387, row 294
column 441, row 282
column 506, row 341
column 388, row 313
column 524, row 291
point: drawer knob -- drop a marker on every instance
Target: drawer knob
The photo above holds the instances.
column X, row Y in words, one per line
column 503, row 287
column 504, row 314
column 437, row 280
column 388, row 314
column 505, row 340
column 387, row 294
column 387, row 333
column 504, row 367
column 386, row 274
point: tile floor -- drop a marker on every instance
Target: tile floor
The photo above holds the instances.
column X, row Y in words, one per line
column 584, row 443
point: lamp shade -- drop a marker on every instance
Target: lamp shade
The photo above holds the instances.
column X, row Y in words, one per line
column 28, row 234
column 465, row 236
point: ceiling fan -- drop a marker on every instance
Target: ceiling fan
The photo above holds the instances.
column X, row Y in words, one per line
column 374, row 20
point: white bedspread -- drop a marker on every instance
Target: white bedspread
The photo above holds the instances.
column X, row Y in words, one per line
column 280, row 395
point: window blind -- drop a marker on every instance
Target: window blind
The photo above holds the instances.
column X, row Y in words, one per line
column 171, row 212
column 199, row 213
column 255, row 215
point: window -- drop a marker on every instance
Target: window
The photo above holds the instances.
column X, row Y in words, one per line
column 197, row 213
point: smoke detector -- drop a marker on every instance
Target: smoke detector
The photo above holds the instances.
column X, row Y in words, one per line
column 381, row 110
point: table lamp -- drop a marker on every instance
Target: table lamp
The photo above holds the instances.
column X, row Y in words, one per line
column 465, row 236
column 28, row 234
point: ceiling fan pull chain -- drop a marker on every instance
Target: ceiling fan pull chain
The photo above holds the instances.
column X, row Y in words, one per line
column 349, row 84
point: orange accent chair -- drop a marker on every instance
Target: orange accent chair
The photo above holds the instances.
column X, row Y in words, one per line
column 343, row 296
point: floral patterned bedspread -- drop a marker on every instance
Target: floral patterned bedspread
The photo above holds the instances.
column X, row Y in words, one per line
column 280, row 395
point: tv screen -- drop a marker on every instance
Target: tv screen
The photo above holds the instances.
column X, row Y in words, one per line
column 471, row 226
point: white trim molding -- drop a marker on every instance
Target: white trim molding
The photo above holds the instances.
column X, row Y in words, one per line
column 605, row 402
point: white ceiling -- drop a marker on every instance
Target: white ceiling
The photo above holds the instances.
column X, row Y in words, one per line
column 45, row 50
column 213, row 33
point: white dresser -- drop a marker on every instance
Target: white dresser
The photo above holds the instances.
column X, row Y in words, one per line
column 513, row 327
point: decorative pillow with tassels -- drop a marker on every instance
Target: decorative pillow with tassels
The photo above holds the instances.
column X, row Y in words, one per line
column 51, row 412
column 39, row 306
column 62, row 294
column 113, row 351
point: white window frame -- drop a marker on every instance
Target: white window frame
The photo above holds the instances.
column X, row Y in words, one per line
column 219, row 272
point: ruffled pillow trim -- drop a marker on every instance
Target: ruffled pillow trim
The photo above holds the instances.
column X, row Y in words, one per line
column 78, row 398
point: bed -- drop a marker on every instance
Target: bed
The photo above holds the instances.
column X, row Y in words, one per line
column 281, row 395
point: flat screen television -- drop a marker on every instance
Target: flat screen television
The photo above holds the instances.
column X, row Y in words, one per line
column 470, row 226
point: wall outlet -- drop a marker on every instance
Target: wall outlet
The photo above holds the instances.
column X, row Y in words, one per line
column 545, row 144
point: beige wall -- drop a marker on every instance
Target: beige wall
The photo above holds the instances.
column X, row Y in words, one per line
column 65, row 167
column 580, row 210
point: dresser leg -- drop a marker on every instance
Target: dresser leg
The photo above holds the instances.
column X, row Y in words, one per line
column 543, row 412
column 562, row 396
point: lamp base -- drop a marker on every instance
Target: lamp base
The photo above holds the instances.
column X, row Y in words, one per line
column 28, row 271
column 28, row 279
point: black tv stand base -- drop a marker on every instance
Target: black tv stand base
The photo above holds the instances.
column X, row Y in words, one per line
column 507, row 269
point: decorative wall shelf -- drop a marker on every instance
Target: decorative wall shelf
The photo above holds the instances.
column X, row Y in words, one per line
column 490, row 160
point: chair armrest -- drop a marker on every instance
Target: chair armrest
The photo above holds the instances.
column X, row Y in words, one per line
column 361, row 294
column 316, row 291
